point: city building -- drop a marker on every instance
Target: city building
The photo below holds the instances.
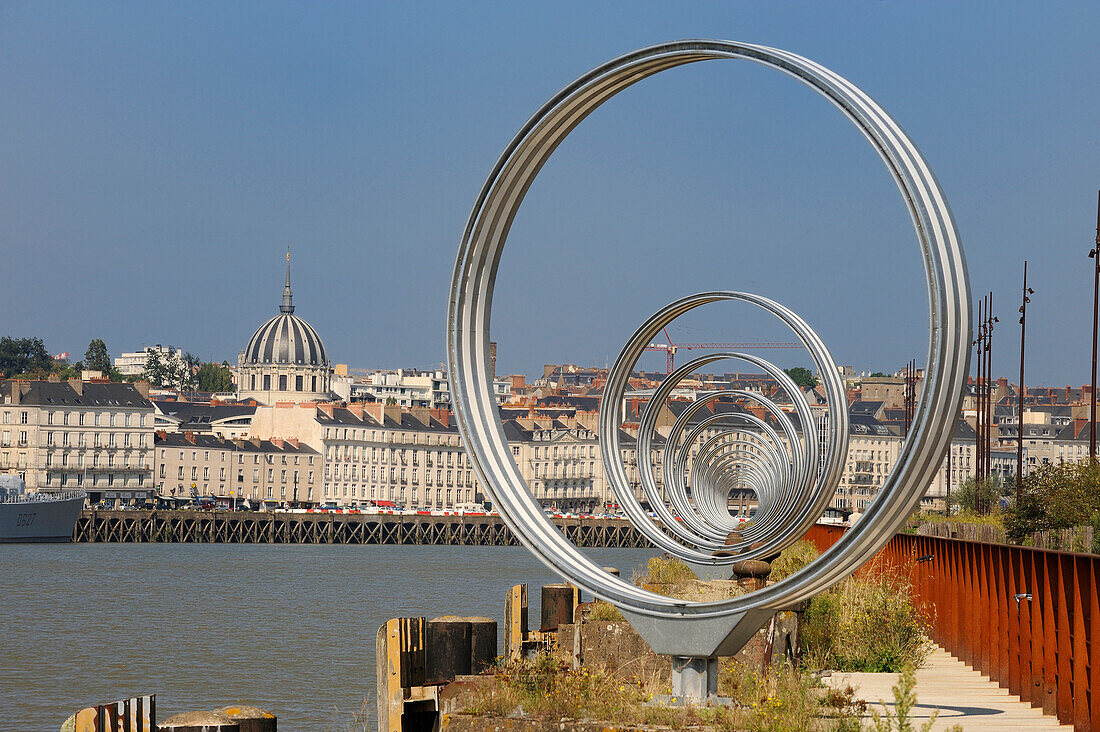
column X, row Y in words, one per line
column 62, row 435
column 377, row 452
column 133, row 363
column 273, row 471
column 228, row 421
column 285, row 359
column 413, row 388
column 404, row 387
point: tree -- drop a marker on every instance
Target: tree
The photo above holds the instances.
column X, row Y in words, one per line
column 976, row 498
column 214, row 377
column 878, row 375
column 1056, row 496
column 167, row 371
column 803, row 377
column 20, row 356
column 96, row 357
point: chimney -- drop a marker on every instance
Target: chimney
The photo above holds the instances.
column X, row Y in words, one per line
column 374, row 409
column 293, row 441
column 392, row 411
column 1078, row 425
column 77, row 385
column 142, row 388
column 423, row 415
column 162, row 434
column 443, row 416
column 277, row 442
column 189, row 436
column 326, row 407
column 356, row 408
column 53, row 379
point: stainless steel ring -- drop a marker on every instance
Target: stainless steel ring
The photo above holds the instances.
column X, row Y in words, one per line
column 670, row 625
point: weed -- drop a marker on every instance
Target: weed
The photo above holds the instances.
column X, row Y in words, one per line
column 793, row 558
column 866, row 623
column 605, row 612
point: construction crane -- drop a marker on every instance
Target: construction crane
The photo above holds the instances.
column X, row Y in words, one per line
column 671, row 348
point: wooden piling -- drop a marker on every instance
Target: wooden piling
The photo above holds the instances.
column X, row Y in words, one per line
column 515, row 622
column 250, row 719
column 558, row 604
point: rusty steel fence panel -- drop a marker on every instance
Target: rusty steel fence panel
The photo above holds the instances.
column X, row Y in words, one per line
column 1027, row 618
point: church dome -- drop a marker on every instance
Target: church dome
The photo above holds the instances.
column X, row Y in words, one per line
column 286, row 339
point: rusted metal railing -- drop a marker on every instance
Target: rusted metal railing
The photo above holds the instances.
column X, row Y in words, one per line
column 1027, row 618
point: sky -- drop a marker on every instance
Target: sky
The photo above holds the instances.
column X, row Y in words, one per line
column 157, row 159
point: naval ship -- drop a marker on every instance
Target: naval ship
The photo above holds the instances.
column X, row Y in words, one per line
column 28, row 517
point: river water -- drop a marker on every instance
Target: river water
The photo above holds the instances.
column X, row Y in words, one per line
column 289, row 628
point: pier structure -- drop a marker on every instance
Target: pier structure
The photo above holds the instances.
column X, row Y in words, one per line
column 248, row 527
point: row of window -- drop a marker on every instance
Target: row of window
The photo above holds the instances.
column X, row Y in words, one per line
column 99, row 419
column 106, row 460
column 96, row 439
column 398, row 475
column 299, row 383
column 352, row 433
column 180, row 474
column 358, row 453
column 268, row 457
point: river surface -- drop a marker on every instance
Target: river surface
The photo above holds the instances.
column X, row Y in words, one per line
column 289, row 628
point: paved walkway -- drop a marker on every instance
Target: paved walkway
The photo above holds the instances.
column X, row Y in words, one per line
column 962, row 695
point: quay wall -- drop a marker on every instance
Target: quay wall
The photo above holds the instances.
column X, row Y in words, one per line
column 246, row 527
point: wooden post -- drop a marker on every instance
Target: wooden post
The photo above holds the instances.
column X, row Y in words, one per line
column 558, row 604
column 447, row 644
column 399, row 651
column 515, row 622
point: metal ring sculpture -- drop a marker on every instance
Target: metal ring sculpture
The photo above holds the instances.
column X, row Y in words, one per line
column 690, row 630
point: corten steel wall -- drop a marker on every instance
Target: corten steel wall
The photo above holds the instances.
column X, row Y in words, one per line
column 1041, row 648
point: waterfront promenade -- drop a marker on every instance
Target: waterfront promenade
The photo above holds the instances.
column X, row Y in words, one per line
column 247, row 527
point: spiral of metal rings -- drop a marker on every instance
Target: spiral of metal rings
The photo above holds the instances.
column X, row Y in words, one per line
column 792, row 480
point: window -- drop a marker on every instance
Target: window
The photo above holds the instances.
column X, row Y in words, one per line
column 267, row 387
column 297, row 383
column 49, row 417
column 282, row 382
column 23, row 418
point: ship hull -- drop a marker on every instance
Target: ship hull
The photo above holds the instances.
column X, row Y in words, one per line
column 39, row 521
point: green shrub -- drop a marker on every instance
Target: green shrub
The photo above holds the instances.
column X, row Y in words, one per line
column 667, row 571
column 605, row 611
column 865, row 623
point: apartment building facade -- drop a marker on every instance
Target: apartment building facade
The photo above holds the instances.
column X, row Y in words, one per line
column 66, row 435
column 189, row 464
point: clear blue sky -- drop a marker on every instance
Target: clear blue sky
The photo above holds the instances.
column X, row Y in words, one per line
column 156, row 159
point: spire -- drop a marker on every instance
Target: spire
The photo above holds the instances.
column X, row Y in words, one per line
column 288, row 297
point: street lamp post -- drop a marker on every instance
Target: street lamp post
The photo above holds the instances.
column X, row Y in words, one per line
column 1020, row 418
column 990, row 321
column 979, row 342
column 1095, row 255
